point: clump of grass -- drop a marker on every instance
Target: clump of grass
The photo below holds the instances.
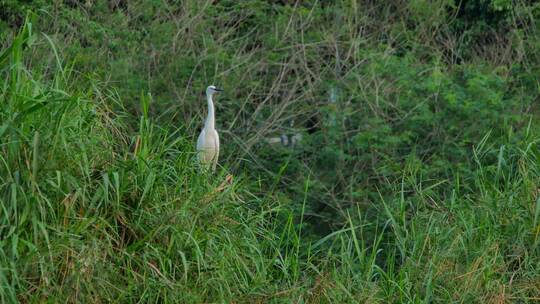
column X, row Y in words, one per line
column 95, row 212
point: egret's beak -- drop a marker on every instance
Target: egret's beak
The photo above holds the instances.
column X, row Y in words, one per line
column 218, row 89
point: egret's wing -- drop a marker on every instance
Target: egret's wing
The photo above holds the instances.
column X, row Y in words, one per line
column 201, row 157
column 200, row 141
column 216, row 155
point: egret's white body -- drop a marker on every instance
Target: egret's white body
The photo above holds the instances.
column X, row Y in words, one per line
column 208, row 147
column 208, row 141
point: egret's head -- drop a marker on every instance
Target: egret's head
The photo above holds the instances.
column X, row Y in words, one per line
column 212, row 89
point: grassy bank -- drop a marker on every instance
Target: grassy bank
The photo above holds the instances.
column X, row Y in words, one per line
column 416, row 179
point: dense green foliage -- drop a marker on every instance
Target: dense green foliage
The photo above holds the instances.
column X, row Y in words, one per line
column 416, row 179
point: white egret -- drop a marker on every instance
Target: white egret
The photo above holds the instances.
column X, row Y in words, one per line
column 208, row 141
column 285, row 140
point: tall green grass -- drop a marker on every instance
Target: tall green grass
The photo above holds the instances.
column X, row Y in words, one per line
column 102, row 205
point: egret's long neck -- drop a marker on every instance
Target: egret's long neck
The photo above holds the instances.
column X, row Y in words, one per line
column 210, row 119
